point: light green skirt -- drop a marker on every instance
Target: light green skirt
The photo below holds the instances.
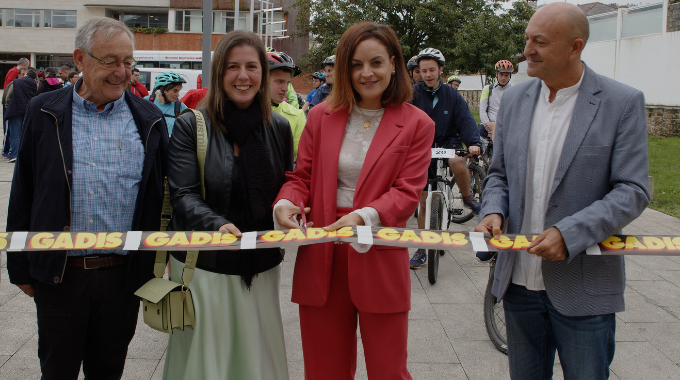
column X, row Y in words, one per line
column 239, row 332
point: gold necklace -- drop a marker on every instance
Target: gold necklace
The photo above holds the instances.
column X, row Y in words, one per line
column 367, row 122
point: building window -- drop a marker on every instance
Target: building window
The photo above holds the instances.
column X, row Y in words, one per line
column 1, row 17
column 272, row 23
column 27, row 18
column 146, row 20
column 223, row 22
column 189, row 21
column 64, row 19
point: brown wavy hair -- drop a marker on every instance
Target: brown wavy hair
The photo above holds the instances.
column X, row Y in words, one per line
column 216, row 97
column 343, row 95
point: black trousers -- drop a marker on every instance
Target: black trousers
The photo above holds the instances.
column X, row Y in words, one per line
column 86, row 319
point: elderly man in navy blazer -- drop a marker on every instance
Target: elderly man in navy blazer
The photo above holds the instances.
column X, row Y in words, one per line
column 569, row 167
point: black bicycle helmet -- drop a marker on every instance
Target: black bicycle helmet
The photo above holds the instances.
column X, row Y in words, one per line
column 282, row 61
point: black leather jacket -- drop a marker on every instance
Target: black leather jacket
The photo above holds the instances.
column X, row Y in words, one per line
column 192, row 212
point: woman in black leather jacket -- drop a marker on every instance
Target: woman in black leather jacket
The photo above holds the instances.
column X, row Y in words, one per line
column 238, row 332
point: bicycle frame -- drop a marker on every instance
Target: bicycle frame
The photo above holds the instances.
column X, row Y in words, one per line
column 447, row 179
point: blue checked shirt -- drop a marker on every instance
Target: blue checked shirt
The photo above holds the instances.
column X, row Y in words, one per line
column 108, row 157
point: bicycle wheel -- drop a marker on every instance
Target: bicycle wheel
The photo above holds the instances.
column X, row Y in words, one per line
column 435, row 224
column 458, row 212
column 494, row 316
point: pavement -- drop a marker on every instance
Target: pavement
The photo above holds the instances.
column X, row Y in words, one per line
column 447, row 337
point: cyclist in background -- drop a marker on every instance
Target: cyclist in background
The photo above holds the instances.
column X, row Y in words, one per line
column 318, row 79
column 453, row 81
column 281, row 72
column 165, row 96
column 491, row 98
column 453, row 123
column 413, row 70
column 325, row 89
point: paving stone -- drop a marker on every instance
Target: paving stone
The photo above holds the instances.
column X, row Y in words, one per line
column 638, row 309
column 19, row 303
column 481, row 360
column 431, row 371
column 452, row 286
column 640, row 360
column 660, row 293
column 15, row 330
column 158, row 371
column 664, row 336
column 3, row 359
column 7, row 290
column 147, row 342
column 296, row 370
column 479, row 275
column 462, row 321
column 138, row 369
column 636, row 272
column 628, row 332
column 20, row 368
column 428, row 343
column 655, row 263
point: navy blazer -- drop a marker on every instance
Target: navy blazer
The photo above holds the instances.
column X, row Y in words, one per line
column 600, row 186
column 40, row 198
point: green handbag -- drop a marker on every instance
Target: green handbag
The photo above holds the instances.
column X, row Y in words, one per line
column 167, row 304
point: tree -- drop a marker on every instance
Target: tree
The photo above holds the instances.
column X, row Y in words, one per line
column 491, row 37
column 417, row 23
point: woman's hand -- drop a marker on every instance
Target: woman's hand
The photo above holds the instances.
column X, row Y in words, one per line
column 352, row 219
column 231, row 228
column 285, row 216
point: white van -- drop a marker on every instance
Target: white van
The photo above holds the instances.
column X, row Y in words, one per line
column 147, row 75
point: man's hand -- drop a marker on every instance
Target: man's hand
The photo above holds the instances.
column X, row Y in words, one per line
column 231, row 228
column 475, row 150
column 489, row 126
column 490, row 224
column 348, row 220
column 549, row 245
column 29, row 289
column 285, row 216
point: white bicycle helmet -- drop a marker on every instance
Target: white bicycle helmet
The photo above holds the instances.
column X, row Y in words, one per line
column 431, row 53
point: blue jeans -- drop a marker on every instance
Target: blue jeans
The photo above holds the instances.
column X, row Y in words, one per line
column 536, row 329
column 5, row 141
column 14, row 135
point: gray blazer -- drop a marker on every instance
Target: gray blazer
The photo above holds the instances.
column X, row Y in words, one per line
column 600, row 186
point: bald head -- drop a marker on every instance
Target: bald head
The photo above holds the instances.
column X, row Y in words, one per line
column 571, row 19
column 555, row 38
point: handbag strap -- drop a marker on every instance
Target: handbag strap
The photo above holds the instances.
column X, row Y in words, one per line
column 166, row 213
column 201, row 150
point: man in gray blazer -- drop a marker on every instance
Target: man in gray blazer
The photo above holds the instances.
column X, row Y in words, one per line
column 569, row 167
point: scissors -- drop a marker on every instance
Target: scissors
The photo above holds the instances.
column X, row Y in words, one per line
column 302, row 216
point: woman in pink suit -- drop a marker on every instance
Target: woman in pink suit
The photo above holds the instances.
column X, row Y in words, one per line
column 362, row 160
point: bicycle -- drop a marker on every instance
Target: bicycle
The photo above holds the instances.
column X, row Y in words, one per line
column 444, row 200
column 487, row 153
column 494, row 316
column 458, row 212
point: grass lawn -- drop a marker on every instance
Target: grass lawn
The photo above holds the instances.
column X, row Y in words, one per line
column 475, row 114
column 664, row 166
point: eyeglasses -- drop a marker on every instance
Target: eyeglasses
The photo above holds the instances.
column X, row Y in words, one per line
column 114, row 64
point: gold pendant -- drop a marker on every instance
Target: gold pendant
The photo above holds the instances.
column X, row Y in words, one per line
column 367, row 125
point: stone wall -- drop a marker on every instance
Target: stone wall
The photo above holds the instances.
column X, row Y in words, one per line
column 673, row 18
column 472, row 98
column 661, row 120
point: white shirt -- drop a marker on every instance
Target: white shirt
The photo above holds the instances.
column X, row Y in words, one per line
column 549, row 126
